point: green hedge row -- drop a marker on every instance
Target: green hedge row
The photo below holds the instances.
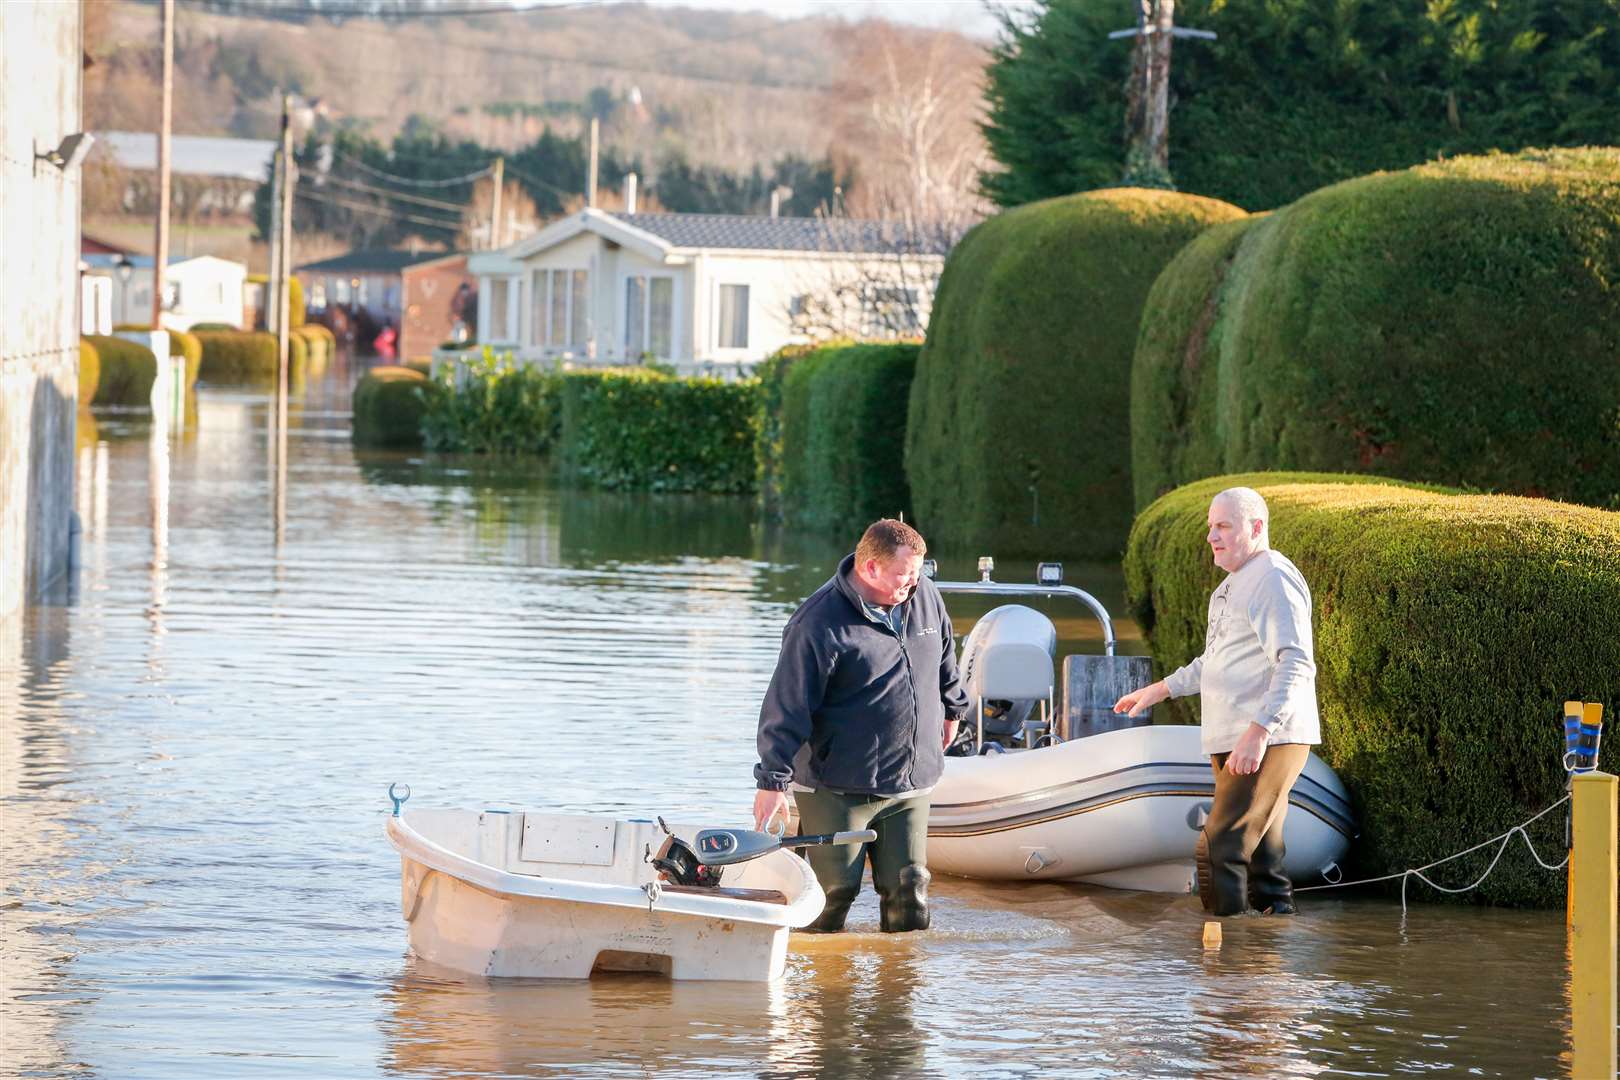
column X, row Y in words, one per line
column 181, row 343
column 498, row 408
column 633, row 428
column 89, row 372
column 843, row 435
column 1449, row 628
column 126, row 371
column 295, row 301
column 1458, row 322
column 251, row 357
column 389, row 403
column 1017, row 439
column 772, row 373
column 319, row 344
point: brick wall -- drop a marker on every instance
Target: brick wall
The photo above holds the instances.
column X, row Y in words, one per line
column 428, row 292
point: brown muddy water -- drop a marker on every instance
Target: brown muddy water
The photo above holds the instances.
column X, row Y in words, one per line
column 197, row 743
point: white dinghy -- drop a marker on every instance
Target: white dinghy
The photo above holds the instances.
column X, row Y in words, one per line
column 497, row 893
column 1050, row 784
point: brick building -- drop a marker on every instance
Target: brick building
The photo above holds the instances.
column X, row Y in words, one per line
column 419, row 294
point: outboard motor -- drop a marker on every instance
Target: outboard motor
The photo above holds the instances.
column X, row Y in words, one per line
column 1007, row 670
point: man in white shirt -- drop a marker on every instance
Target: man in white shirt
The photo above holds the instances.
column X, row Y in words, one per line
column 1259, row 717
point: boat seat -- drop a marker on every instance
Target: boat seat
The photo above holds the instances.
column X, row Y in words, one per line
column 759, row 896
column 1013, row 671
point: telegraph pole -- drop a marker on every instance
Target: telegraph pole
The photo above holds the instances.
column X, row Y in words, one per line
column 590, row 174
column 495, row 205
column 160, row 257
column 284, row 271
column 1147, row 98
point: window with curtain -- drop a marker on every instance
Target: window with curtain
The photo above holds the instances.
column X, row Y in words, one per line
column 579, row 320
column 557, row 334
column 649, row 315
column 537, row 307
column 733, row 317
column 499, row 314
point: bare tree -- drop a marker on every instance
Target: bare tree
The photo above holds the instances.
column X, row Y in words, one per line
column 906, row 111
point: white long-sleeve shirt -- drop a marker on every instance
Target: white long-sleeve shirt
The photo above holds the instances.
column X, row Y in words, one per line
column 1257, row 666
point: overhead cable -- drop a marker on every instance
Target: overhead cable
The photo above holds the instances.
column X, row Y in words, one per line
column 408, row 181
column 420, row 200
column 381, row 211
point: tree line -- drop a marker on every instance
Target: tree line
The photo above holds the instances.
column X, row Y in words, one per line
column 1294, row 95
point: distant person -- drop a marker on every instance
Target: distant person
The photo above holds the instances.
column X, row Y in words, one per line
column 1257, row 679
column 384, row 341
column 864, row 700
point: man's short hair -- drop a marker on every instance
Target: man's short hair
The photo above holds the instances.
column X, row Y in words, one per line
column 1249, row 504
column 886, row 536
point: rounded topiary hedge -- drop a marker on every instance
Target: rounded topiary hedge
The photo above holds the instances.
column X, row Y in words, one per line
column 1017, row 440
column 1449, row 628
column 89, row 372
column 182, row 343
column 127, row 371
column 1458, row 322
column 843, row 439
column 251, row 357
column 388, row 407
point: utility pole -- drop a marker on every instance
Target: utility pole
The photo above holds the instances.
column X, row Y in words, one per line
column 495, row 205
column 284, row 271
column 590, row 172
column 1147, row 97
column 160, row 256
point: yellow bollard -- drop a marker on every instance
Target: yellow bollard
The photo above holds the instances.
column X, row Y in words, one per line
column 1592, row 928
column 1212, row 935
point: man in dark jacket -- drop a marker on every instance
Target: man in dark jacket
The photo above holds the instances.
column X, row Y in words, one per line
column 864, row 700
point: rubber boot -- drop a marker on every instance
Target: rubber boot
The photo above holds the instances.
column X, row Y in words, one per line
column 831, row 919
column 904, row 906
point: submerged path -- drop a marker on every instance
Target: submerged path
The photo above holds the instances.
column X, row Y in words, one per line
column 195, row 751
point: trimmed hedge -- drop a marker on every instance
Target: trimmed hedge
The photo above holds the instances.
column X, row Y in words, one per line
column 388, row 406
column 498, row 408
column 295, row 302
column 1016, row 443
column 181, row 343
column 197, row 328
column 634, row 428
column 1449, row 631
column 127, row 371
column 1458, row 322
column 843, row 432
column 89, row 372
column 250, row 356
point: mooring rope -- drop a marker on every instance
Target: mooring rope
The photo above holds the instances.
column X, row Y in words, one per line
column 1502, row 841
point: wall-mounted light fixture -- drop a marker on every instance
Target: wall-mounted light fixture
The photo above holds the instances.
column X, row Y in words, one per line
column 124, row 267
column 70, row 154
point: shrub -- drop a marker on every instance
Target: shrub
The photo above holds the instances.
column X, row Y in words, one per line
column 422, row 365
column 389, row 403
column 498, row 407
column 182, row 343
column 633, row 428
column 843, row 436
column 1016, row 440
column 772, row 374
column 1449, row 630
column 296, row 315
column 317, row 348
column 89, row 372
column 127, row 371
column 196, row 328
column 1457, row 323
column 250, row 356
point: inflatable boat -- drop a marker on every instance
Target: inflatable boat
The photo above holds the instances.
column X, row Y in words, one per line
column 1046, row 782
column 497, row 893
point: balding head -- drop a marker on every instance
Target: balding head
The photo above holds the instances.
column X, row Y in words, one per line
column 1239, row 527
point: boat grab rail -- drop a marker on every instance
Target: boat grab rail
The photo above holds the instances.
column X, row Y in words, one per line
column 986, row 587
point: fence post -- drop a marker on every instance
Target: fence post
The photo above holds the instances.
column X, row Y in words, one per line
column 1592, row 924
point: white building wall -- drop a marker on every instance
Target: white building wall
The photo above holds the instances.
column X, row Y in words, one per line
column 40, row 65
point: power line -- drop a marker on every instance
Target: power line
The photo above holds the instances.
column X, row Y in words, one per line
column 364, row 9
column 515, row 171
column 437, row 204
column 337, row 200
column 451, row 182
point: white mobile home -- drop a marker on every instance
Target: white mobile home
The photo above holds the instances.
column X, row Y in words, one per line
column 699, row 290
column 198, row 289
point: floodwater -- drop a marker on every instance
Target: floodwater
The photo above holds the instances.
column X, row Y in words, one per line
column 197, row 742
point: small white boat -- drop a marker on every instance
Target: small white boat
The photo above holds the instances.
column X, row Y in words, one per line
column 493, row 893
column 1057, row 787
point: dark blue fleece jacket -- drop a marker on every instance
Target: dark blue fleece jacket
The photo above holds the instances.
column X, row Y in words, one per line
column 854, row 706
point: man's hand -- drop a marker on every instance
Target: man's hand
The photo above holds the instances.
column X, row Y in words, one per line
column 767, row 804
column 950, row 733
column 1250, row 748
column 1144, row 699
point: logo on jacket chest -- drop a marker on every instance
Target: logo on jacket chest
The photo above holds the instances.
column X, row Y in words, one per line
column 928, row 630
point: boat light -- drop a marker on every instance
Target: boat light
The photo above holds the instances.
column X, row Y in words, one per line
column 986, row 564
column 1049, row 573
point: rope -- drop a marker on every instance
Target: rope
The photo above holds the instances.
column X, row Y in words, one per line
column 1502, row 842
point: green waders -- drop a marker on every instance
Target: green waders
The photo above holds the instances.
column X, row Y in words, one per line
column 899, row 856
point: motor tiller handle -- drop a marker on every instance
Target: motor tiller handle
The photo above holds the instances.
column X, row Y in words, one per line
column 857, row 836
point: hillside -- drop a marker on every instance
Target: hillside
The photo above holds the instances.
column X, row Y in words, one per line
column 721, row 88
